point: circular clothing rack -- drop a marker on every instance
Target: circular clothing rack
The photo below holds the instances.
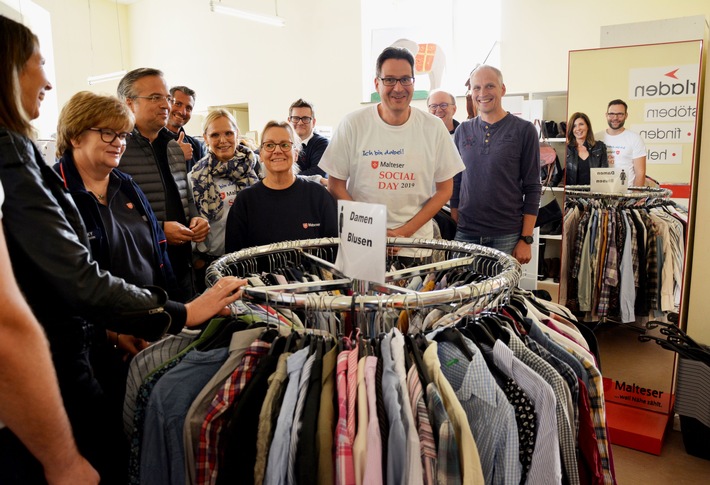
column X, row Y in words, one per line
column 489, row 272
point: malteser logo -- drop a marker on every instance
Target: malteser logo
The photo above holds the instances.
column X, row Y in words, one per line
column 374, row 164
column 305, row 225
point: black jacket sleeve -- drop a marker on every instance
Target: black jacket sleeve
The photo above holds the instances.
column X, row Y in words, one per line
column 49, row 251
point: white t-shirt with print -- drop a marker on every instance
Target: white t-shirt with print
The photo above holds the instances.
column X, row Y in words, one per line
column 622, row 149
column 397, row 166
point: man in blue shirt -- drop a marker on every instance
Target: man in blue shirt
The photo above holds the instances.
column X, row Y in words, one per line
column 496, row 199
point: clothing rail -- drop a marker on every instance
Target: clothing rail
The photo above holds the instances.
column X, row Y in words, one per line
column 502, row 273
column 584, row 191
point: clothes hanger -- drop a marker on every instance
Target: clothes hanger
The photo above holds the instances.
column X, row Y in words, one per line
column 452, row 335
column 418, row 361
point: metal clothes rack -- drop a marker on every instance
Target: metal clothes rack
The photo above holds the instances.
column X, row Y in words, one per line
column 500, row 273
column 575, row 192
column 584, row 191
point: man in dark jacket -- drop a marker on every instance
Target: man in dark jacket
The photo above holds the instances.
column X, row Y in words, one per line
column 157, row 164
column 303, row 119
column 180, row 115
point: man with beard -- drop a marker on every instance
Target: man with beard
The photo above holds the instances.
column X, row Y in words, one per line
column 625, row 149
column 180, row 114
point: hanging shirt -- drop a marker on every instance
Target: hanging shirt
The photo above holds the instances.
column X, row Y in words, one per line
column 277, row 468
column 546, row 467
column 344, row 469
column 373, row 459
column 490, row 415
column 469, row 460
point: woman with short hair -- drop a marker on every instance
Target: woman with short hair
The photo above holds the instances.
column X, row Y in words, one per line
column 282, row 206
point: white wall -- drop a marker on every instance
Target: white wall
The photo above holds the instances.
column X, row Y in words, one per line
column 316, row 56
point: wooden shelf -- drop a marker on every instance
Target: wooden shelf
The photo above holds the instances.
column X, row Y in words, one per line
column 554, row 237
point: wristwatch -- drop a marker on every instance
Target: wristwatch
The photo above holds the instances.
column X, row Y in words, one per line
column 527, row 239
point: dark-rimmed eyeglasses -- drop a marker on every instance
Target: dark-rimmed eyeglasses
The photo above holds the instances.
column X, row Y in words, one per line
column 434, row 107
column 270, row 146
column 108, row 136
column 391, row 81
column 156, row 98
column 303, row 119
column 615, row 115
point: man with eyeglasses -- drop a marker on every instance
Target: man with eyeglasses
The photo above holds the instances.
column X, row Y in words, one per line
column 443, row 105
column 625, row 148
column 302, row 117
column 180, row 115
column 157, row 163
column 393, row 154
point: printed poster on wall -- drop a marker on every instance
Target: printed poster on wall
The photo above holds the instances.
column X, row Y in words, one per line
column 362, row 228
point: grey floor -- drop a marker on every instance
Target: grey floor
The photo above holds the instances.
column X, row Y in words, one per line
column 672, row 466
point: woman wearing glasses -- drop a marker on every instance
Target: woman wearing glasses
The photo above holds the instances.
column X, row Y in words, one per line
column 228, row 167
column 282, row 206
column 49, row 250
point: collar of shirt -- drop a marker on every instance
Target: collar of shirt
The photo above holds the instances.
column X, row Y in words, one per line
column 305, row 142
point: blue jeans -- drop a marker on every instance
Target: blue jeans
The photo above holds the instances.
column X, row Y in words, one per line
column 505, row 243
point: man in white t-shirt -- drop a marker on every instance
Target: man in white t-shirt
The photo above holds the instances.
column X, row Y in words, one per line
column 394, row 154
column 625, row 149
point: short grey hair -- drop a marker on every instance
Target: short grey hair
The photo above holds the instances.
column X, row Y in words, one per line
column 125, row 85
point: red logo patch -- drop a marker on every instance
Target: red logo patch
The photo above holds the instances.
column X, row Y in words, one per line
column 305, row 225
column 130, row 205
column 374, row 163
column 222, row 195
column 618, row 151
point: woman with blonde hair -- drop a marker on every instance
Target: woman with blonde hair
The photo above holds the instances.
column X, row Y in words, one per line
column 228, row 167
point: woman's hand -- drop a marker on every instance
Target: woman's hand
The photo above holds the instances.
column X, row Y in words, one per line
column 214, row 300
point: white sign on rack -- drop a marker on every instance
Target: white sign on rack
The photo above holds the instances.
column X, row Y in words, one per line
column 608, row 180
column 363, row 240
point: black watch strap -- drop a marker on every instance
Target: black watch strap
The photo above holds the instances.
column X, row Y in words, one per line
column 527, row 239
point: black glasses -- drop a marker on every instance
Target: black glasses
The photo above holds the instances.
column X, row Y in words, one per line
column 303, row 119
column 270, row 146
column 108, row 136
column 434, row 107
column 391, row 81
column 156, row 98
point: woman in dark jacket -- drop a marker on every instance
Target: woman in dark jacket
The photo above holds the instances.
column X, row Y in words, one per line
column 48, row 247
column 583, row 151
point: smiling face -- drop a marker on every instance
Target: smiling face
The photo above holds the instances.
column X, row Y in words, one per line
column 278, row 161
column 395, row 99
column 91, row 151
column 446, row 114
column 488, row 91
column 151, row 116
column 221, row 138
column 580, row 130
column 33, row 84
column 616, row 116
column 303, row 130
column 181, row 110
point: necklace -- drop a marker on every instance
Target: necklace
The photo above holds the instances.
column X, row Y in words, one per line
column 98, row 196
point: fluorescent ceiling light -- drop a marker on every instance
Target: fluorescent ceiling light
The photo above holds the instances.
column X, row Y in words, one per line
column 106, row 77
column 254, row 17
